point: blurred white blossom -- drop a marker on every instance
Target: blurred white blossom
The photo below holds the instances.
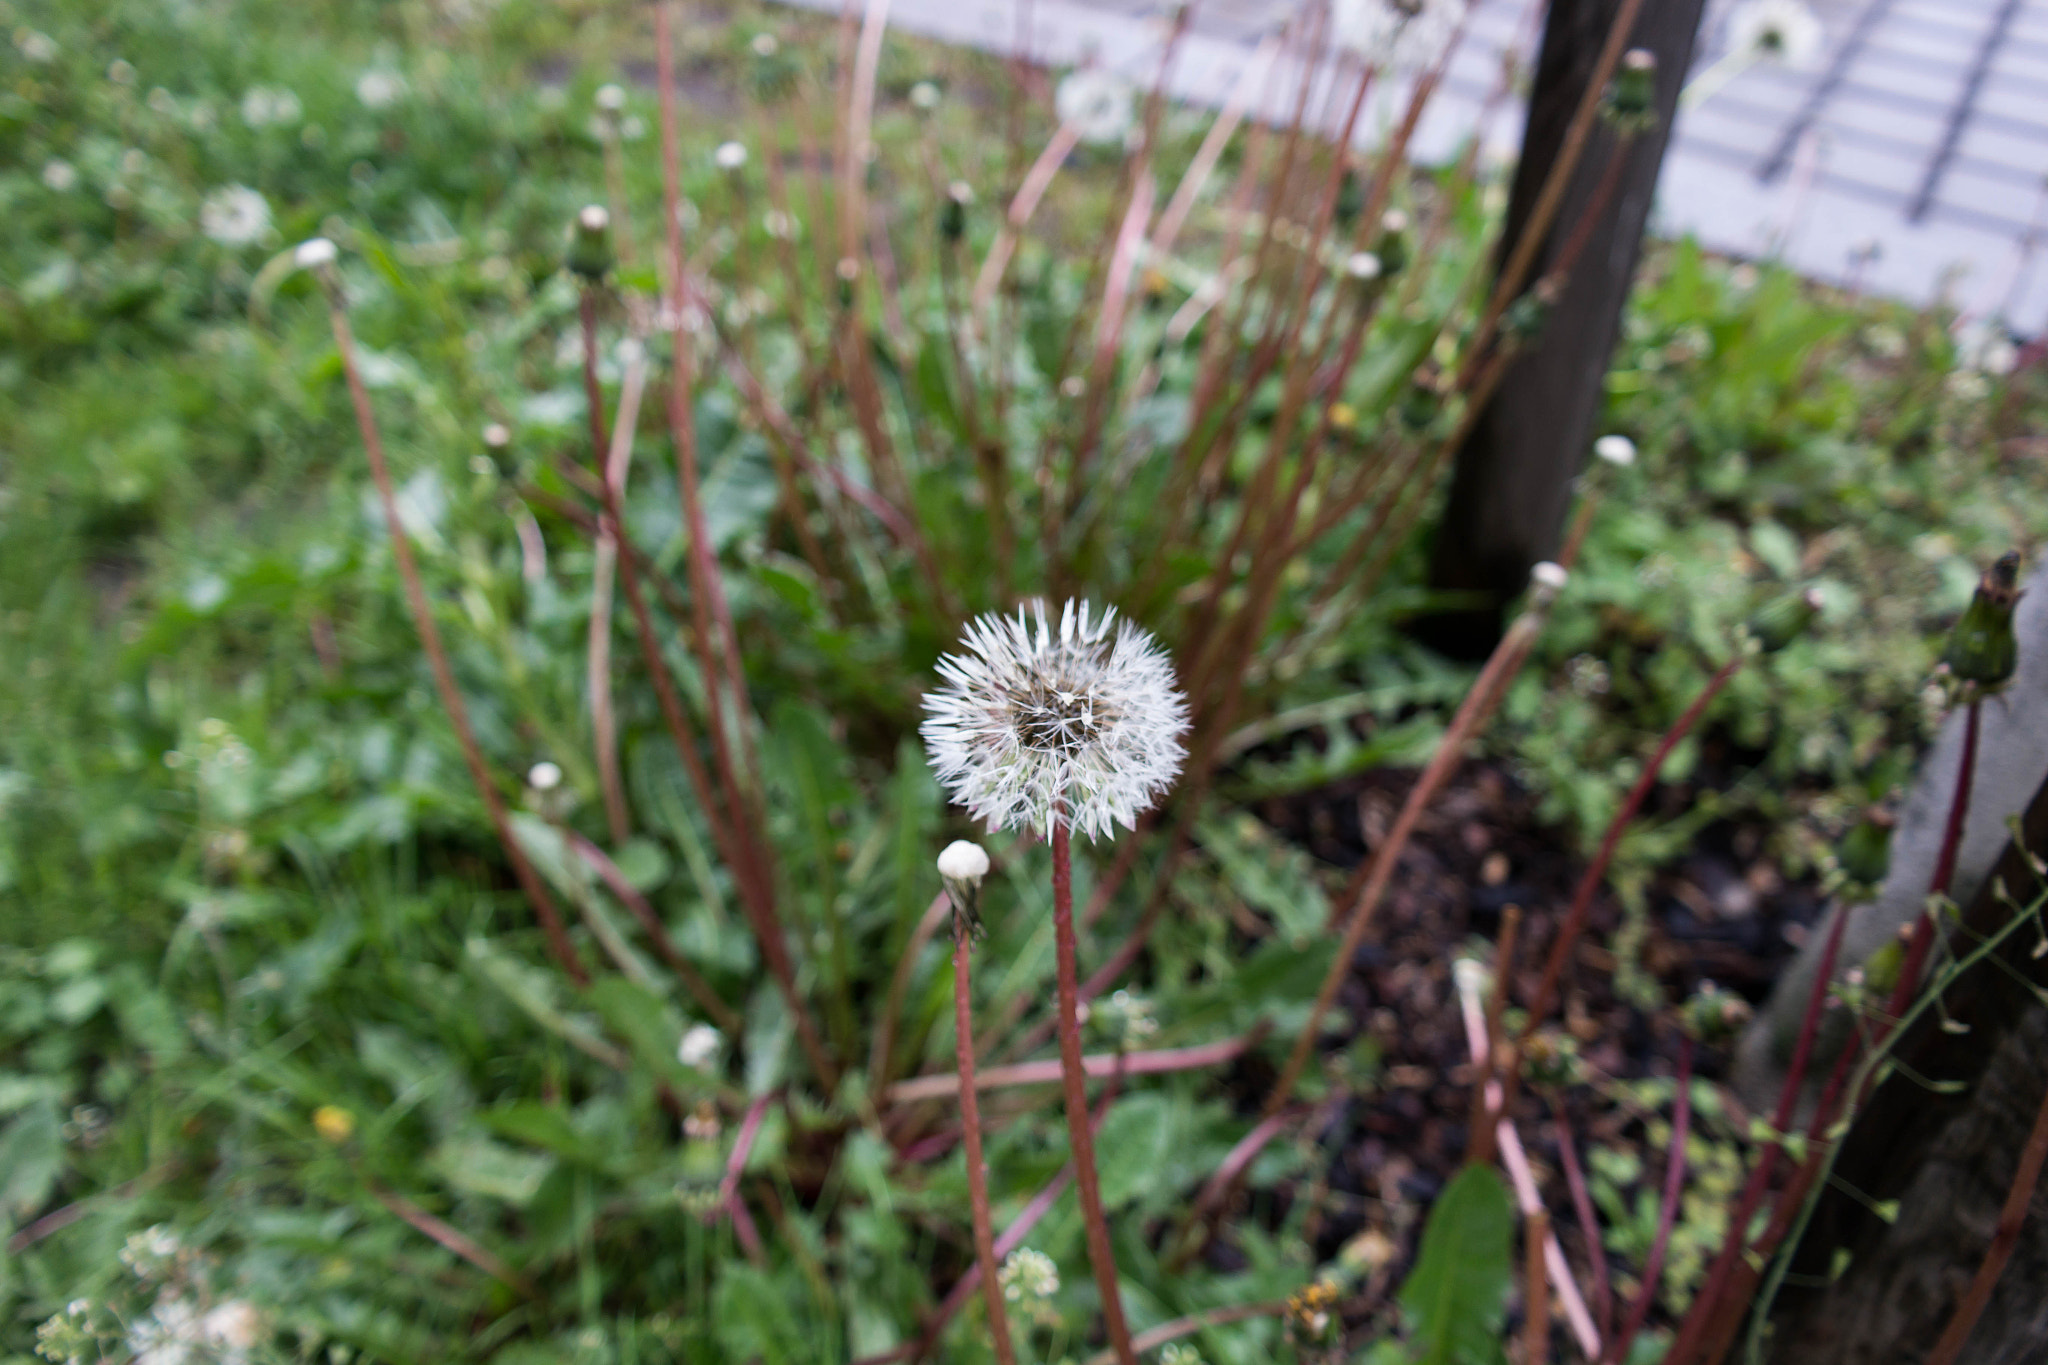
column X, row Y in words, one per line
column 1099, row 104
column 235, row 215
column 1396, row 34
column 1776, row 30
column 264, row 105
column 378, row 89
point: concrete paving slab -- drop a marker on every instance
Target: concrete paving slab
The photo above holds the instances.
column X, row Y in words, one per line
column 1922, row 128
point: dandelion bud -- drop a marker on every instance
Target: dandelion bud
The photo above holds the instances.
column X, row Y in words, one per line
column 1526, row 315
column 1781, row 621
column 1392, row 247
column 1616, row 450
column 1714, row 1016
column 953, row 213
column 1550, row 1060
column 1982, row 650
column 315, row 253
column 1421, row 401
column 961, row 867
column 1350, row 198
column 1864, row 855
column 590, row 244
column 1632, row 95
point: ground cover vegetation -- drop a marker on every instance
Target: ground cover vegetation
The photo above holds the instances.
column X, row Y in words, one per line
column 470, row 868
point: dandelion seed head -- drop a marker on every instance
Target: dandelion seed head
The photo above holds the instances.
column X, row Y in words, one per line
column 544, row 776
column 730, row 156
column 379, row 89
column 1101, row 105
column 611, row 98
column 1777, row 30
column 235, row 215
column 1080, row 720
column 1395, row 34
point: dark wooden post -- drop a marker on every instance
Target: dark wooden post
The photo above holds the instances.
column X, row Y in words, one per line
column 1512, row 483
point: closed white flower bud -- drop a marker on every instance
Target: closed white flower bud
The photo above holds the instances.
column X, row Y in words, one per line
column 963, row 861
column 314, row 253
column 1616, row 449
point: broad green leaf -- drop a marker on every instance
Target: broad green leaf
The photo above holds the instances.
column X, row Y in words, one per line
column 1456, row 1297
column 31, row 1159
column 474, row 1164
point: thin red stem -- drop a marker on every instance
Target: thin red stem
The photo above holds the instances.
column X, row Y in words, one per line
column 1079, row 1131
column 1582, row 1209
column 437, row 655
column 977, row 1171
column 1674, row 1183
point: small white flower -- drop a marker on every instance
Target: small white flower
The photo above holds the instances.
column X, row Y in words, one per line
column 924, row 96
column 1776, row 30
column 730, row 156
column 1080, row 722
column 265, row 105
column 379, row 89
column 1099, row 104
column 36, row 46
column 1396, row 34
column 1616, row 449
column 169, row 1334
column 1028, row 1274
column 544, row 776
column 60, row 175
column 963, row 861
column 1363, row 267
column 235, row 215
column 611, row 98
column 699, row 1046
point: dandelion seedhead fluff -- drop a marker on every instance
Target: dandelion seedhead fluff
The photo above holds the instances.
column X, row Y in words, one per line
column 1081, row 721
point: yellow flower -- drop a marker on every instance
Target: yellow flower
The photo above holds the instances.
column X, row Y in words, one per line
column 335, row 1124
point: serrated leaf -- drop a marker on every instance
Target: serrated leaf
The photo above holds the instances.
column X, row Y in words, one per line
column 1456, row 1298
